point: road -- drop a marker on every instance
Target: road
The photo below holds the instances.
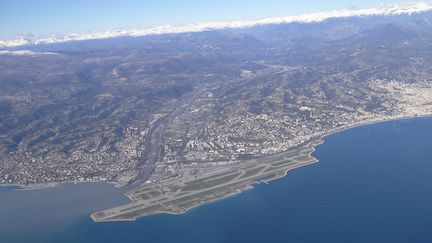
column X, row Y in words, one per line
column 187, row 192
column 153, row 142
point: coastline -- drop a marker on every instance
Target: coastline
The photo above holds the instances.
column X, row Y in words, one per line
column 313, row 143
column 244, row 187
column 186, row 210
column 37, row 186
column 47, row 185
column 318, row 140
column 341, row 129
column 137, row 208
column 309, row 195
column 248, row 186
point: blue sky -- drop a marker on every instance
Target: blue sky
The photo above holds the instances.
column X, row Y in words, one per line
column 48, row 17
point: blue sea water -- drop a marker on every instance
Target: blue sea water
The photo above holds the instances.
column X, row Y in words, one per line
column 373, row 184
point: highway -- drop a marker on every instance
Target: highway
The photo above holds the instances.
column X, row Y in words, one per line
column 153, row 143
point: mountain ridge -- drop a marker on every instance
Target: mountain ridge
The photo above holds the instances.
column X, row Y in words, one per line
column 383, row 10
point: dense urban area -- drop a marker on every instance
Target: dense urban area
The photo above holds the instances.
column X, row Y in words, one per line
column 134, row 110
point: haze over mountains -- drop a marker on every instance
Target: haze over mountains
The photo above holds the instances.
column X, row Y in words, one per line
column 305, row 18
column 157, row 107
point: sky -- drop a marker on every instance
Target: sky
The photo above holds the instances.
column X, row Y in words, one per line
column 57, row 17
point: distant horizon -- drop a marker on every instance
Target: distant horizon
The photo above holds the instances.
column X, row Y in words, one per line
column 46, row 18
column 382, row 9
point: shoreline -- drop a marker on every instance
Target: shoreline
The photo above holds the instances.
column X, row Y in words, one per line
column 246, row 187
column 314, row 142
column 186, row 210
column 45, row 185
column 243, row 186
column 320, row 139
column 401, row 118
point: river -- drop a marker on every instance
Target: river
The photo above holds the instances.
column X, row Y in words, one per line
column 372, row 184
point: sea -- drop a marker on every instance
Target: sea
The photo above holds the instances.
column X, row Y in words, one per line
column 373, row 184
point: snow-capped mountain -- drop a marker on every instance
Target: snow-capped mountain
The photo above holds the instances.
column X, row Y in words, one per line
column 384, row 10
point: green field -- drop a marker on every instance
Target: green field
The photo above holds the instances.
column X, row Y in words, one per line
column 303, row 158
column 202, row 184
column 252, row 172
column 284, row 162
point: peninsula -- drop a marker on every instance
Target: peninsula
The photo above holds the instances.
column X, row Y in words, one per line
column 180, row 119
